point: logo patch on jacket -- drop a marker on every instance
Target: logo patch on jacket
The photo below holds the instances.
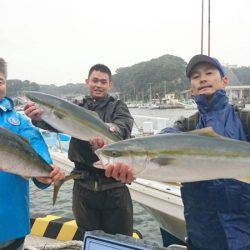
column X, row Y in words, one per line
column 3, row 108
column 13, row 121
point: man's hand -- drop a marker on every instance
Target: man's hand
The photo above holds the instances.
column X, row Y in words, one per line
column 97, row 142
column 113, row 129
column 33, row 112
column 120, row 171
column 55, row 175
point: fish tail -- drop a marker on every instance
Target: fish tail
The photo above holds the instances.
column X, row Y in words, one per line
column 58, row 185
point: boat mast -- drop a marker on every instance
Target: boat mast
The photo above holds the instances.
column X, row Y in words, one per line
column 209, row 21
column 202, row 19
column 202, row 27
column 150, row 93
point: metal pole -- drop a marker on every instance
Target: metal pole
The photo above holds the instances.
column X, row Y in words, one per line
column 202, row 19
column 209, row 21
column 165, row 88
column 150, row 93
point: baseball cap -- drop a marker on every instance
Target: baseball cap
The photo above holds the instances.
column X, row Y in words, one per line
column 204, row 59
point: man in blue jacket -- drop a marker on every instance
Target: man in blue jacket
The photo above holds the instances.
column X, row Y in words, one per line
column 217, row 212
column 14, row 189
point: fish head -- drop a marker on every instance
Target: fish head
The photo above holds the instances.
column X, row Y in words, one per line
column 34, row 96
column 111, row 154
column 42, row 99
column 48, row 103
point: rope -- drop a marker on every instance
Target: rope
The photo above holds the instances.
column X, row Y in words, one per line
column 69, row 245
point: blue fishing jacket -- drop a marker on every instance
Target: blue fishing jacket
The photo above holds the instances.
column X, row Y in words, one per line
column 14, row 190
column 217, row 212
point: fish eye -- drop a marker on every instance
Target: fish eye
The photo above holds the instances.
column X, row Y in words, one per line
column 115, row 153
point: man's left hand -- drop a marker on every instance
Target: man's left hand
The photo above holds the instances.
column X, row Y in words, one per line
column 113, row 129
column 97, row 142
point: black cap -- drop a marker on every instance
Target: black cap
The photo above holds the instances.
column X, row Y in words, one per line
column 204, row 59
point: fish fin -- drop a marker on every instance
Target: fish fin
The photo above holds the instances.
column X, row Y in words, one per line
column 162, row 160
column 247, row 180
column 205, row 131
column 99, row 164
column 58, row 185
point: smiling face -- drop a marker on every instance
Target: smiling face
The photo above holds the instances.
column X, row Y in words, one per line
column 98, row 84
column 206, row 79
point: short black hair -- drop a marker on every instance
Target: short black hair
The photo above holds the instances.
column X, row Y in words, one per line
column 100, row 67
column 3, row 67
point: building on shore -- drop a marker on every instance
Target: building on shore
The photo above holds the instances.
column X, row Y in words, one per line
column 235, row 93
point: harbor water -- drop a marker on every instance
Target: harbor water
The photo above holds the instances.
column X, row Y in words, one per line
column 41, row 200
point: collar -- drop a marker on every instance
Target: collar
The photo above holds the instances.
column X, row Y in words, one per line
column 92, row 104
column 6, row 104
column 89, row 99
column 218, row 102
column 107, row 97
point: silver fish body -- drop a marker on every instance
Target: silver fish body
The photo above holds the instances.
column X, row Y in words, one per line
column 181, row 157
column 71, row 119
column 18, row 157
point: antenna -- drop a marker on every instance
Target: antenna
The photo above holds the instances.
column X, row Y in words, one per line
column 209, row 21
column 150, row 93
column 202, row 27
column 202, row 19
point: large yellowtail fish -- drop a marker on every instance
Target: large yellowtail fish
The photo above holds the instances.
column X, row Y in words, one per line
column 18, row 157
column 71, row 119
column 181, row 157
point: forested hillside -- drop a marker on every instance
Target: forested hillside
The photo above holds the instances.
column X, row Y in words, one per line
column 243, row 74
column 164, row 74
column 16, row 87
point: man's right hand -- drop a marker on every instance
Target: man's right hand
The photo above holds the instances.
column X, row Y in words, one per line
column 120, row 171
column 33, row 112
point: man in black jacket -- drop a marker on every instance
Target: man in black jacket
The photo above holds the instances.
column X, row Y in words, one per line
column 99, row 203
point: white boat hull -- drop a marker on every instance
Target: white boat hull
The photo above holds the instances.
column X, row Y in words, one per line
column 164, row 202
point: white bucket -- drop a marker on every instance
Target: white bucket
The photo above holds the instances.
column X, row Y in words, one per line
column 147, row 128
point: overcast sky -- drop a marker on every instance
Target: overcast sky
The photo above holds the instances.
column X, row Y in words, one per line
column 56, row 41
